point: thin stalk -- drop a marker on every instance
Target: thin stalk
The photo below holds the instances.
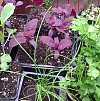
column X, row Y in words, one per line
column 39, row 32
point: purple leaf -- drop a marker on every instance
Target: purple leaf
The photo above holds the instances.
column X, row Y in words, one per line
column 57, row 10
column 10, row 1
column 8, row 24
column 66, row 12
column 60, row 29
column 32, row 42
column 30, row 28
column 57, row 22
column 29, row 6
column 62, row 11
column 56, row 54
column 38, row 2
column 19, row 37
column 19, row 3
column 64, row 43
column 67, row 6
column 1, row 7
column 48, row 18
column 47, row 40
column 56, row 42
column 50, row 33
column 66, row 23
column 14, row 2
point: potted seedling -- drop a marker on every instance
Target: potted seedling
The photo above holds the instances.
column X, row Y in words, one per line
column 82, row 82
column 16, row 21
column 54, row 47
column 38, row 87
column 8, row 80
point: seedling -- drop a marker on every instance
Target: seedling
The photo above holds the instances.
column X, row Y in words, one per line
column 56, row 44
column 6, row 12
column 27, row 35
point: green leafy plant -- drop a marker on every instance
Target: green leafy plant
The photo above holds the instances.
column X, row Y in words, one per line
column 6, row 12
column 84, row 79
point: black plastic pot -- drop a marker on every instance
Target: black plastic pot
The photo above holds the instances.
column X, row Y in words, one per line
column 35, row 76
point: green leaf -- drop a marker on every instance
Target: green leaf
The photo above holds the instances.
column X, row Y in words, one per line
column 11, row 31
column 6, row 58
column 94, row 73
column 86, row 99
column 91, row 28
column 4, row 66
column 98, row 91
column 7, row 11
column 1, row 37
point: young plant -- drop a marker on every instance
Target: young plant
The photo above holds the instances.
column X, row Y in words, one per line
column 27, row 35
column 5, row 58
column 62, row 11
column 59, row 20
column 56, row 44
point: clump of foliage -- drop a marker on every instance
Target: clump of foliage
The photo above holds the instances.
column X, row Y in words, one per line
column 57, row 21
column 84, row 79
column 5, row 13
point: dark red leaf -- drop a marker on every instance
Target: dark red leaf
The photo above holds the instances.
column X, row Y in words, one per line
column 73, row 13
column 38, row 2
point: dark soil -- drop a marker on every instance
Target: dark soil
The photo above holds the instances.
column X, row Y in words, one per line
column 28, row 91
column 9, row 82
column 18, row 22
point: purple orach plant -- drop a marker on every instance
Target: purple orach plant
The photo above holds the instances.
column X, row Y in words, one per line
column 27, row 35
column 56, row 44
column 62, row 11
column 14, row 2
column 58, row 24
